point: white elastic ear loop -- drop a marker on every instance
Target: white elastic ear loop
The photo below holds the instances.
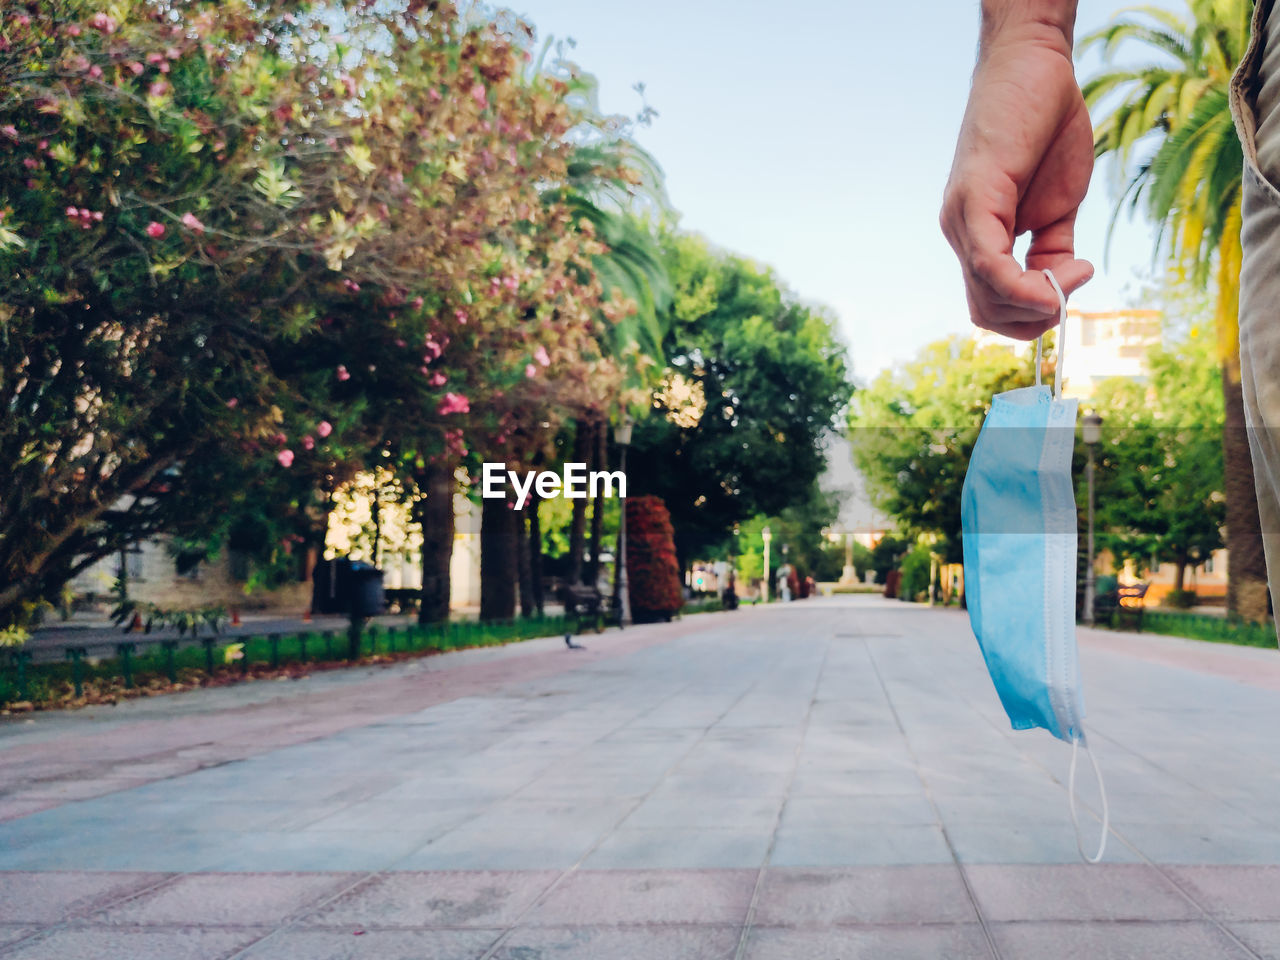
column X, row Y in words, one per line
column 1071, row 799
column 1062, row 329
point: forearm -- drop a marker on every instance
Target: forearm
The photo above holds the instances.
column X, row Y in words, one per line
column 1051, row 22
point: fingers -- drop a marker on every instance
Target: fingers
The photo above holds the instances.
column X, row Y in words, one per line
column 1003, row 296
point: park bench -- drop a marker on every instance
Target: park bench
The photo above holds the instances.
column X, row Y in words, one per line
column 586, row 606
column 1122, row 607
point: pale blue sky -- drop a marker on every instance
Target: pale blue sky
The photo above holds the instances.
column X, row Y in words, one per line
column 816, row 137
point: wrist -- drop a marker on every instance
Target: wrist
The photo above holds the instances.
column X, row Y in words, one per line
column 1049, row 23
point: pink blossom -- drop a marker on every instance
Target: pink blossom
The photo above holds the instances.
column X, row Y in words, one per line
column 511, row 283
column 72, row 212
column 22, row 20
column 434, row 94
column 100, row 21
column 281, row 439
column 424, row 370
column 342, row 373
column 155, row 229
column 400, row 343
column 530, row 371
column 232, row 403
column 417, row 303
column 438, row 380
column 73, row 30
column 158, row 89
column 135, row 68
column 309, row 442
column 80, row 63
column 454, row 403
column 285, row 457
column 190, row 221
column 324, row 428
column 480, row 95
column 351, row 285
column 29, row 163
column 43, row 144
column 433, row 350
column 173, row 53
column 96, row 72
column 541, row 356
column 461, row 316
column 155, row 58
column 10, row 131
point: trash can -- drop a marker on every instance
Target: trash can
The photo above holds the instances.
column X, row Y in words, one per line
column 366, row 595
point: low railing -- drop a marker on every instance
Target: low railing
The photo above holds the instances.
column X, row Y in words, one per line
column 139, row 662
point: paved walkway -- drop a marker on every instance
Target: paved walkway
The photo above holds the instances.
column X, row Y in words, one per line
column 829, row 779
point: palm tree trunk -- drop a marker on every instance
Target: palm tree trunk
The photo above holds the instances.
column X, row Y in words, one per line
column 498, row 566
column 435, row 514
column 1246, row 562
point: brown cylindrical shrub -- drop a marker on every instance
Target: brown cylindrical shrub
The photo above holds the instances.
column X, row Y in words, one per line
column 653, row 572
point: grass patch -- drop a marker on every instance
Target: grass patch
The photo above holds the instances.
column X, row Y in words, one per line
column 1198, row 626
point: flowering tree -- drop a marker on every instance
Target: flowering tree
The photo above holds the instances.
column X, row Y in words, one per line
column 226, row 229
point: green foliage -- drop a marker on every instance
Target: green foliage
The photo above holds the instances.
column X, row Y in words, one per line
column 887, row 555
column 13, row 636
column 1159, row 475
column 913, row 429
column 1195, row 626
column 754, row 380
column 916, row 569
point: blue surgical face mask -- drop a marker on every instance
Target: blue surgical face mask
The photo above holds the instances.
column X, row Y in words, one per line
column 1018, row 517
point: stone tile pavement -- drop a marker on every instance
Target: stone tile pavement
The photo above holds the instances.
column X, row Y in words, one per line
column 829, row 779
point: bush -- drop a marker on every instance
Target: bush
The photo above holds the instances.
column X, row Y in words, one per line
column 916, row 567
column 653, row 572
column 1180, row 599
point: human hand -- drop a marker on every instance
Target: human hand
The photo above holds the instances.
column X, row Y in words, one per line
column 1022, row 163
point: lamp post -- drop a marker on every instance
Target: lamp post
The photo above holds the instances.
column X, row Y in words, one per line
column 622, row 437
column 1091, row 432
column 766, row 535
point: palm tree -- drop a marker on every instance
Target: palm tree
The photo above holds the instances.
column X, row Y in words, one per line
column 1167, row 124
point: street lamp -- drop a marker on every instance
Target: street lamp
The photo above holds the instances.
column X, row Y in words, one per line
column 622, row 437
column 766, row 535
column 1091, row 432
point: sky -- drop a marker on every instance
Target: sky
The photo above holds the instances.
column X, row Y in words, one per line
column 816, row 137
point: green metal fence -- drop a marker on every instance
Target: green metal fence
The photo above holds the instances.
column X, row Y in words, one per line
column 139, row 661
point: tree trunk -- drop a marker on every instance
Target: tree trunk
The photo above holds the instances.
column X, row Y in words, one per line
column 578, row 527
column 520, row 544
column 1246, row 562
column 1179, row 575
column 498, row 568
column 535, row 553
column 435, row 514
column 598, row 462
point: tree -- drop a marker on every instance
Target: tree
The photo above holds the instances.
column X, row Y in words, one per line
column 913, row 429
column 1160, row 479
column 1168, row 126
column 753, row 381
column 226, row 226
